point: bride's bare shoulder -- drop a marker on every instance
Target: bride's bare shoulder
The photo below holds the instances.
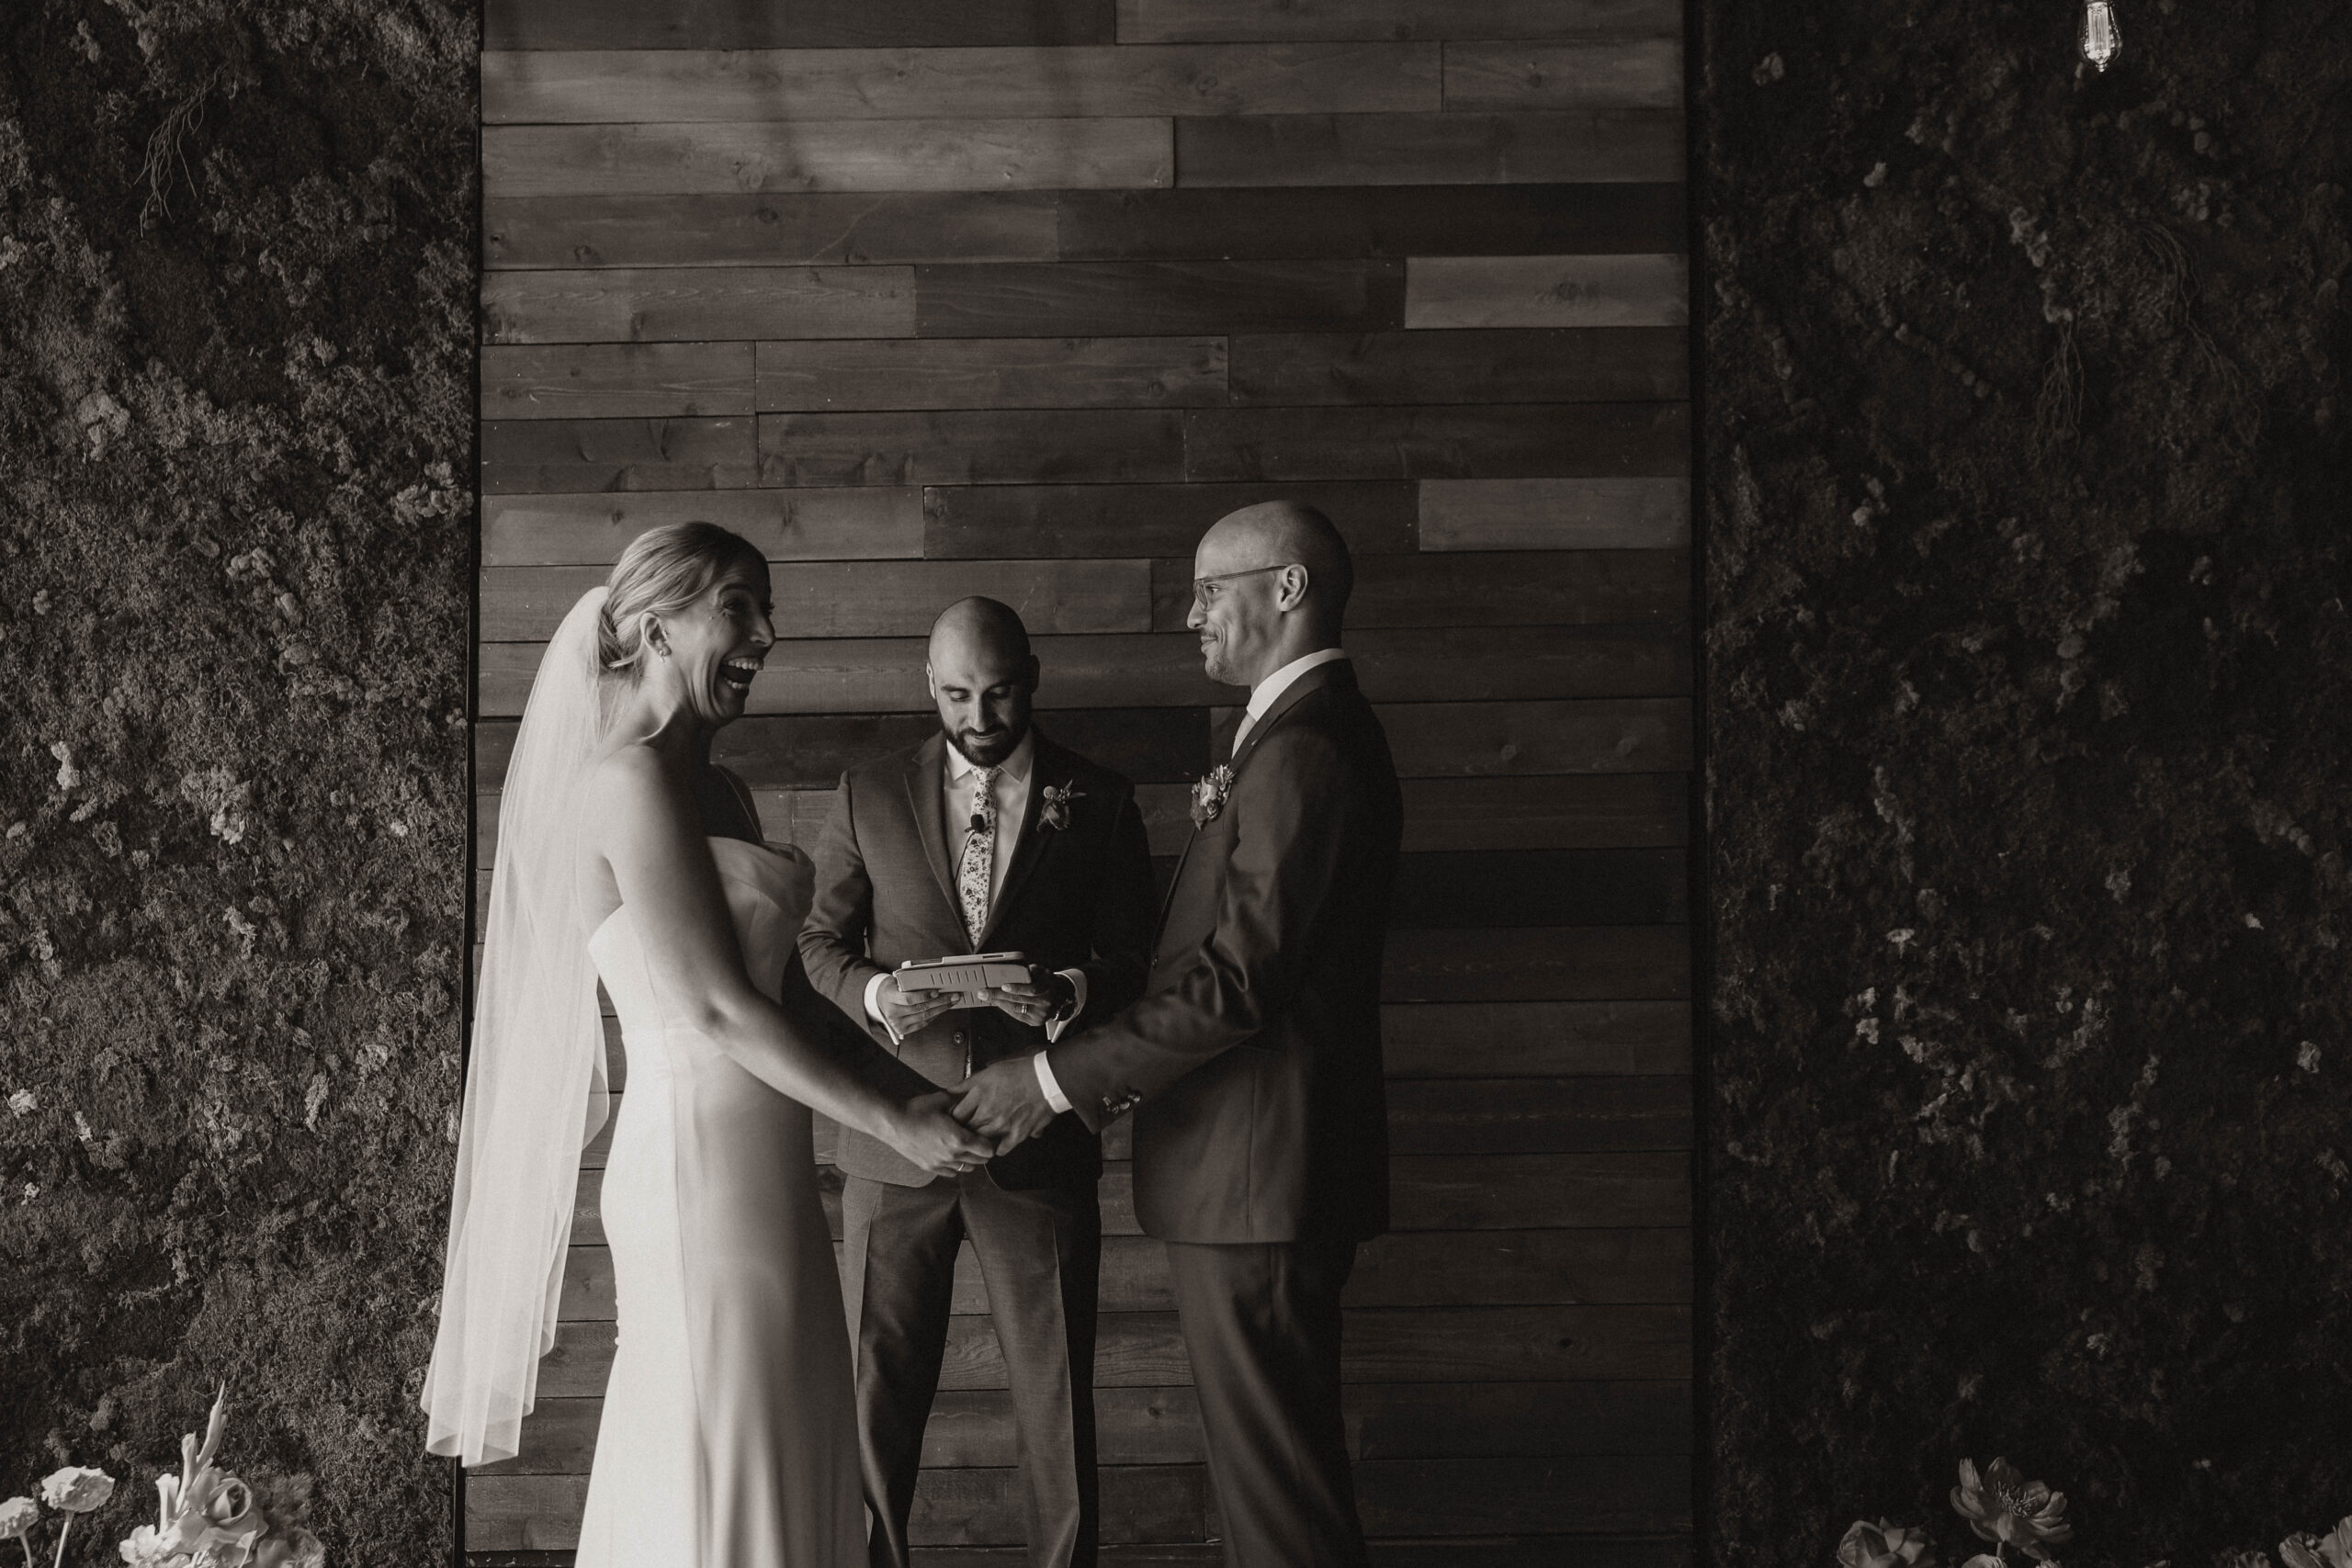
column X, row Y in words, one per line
column 628, row 784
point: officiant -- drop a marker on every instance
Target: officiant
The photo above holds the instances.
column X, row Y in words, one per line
column 986, row 837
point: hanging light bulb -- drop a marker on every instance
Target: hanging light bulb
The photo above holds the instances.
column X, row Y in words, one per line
column 2102, row 40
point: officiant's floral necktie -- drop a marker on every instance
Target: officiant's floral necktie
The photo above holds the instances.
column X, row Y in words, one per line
column 979, row 856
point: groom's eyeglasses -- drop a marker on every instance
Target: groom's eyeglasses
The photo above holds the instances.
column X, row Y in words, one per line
column 1204, row 588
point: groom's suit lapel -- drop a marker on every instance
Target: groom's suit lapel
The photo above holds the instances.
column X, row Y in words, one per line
column 927, row 798
column 1315, row 680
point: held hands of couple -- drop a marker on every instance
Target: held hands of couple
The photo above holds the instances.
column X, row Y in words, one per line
column 928, row 1133
column 1004, row 1104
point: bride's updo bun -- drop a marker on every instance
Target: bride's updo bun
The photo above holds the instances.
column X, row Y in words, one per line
column 663, row 569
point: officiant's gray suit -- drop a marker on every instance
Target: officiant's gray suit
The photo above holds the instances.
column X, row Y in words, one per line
column 1075, row 896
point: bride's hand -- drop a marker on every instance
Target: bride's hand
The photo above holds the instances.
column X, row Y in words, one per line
column 927, row 1134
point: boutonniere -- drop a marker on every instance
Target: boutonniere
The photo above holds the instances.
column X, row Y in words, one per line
column 1208, row 794
column 1053, row 809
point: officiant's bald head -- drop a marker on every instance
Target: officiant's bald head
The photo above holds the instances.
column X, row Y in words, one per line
column 1270, row 584
column 982, row 675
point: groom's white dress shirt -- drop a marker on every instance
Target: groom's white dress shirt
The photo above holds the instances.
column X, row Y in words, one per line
column 1262, row 697
column 960, row 802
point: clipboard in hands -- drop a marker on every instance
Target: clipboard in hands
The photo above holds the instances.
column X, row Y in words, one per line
column 966, row 974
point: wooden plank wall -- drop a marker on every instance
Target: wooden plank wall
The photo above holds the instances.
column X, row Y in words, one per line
column 936, row 297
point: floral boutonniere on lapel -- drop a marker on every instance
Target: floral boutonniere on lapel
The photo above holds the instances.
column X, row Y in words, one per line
column 1053, row 806
column 1208, row 794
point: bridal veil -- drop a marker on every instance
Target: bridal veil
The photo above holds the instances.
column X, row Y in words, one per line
column 534, row 1088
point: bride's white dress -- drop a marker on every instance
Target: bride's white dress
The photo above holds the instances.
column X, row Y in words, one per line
column 730, row 1431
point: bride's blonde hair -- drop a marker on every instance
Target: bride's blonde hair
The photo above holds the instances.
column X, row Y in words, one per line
column 663, row 569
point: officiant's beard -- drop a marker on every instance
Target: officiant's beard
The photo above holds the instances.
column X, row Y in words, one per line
column 995, row 747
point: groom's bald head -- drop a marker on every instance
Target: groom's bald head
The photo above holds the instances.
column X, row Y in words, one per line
column 982, row 675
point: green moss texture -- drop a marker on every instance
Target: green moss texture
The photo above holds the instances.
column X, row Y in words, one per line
column 236, row 284
column 2032, row 1112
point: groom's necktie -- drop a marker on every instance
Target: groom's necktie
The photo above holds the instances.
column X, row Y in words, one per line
column 979, row 856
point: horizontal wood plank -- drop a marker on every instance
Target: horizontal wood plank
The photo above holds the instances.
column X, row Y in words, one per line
column 1587, row 74
column 530, row 456
column 1444, row 818
column 1666, row 1551
column 861, row 523
column 1462, row 739
column 1153, row 299
column 1171, row 21
column 1474, row 595
column 780, row 227
column 818, row 155
column 1575, row 364
column 1535, row 1038
column 1498, row 441
column 1527, row 1268
column 860, row 599
column 1348, row 221
column 991, row 373
column 804, row 24
column 1538, row 964
column 1567, row 811
column 633, row 380
column 1605, row 1191
column 973, row 447
column 1547, row 291
column 951, row 1507
column 975, row 1428
column 1379, row 1345
column 1591, row 513
column 1437, row 1497
column 1331, row 222
column 1465, row 889
column 617, row 86
column 1147, row 745
column 1012, row 521
column 674, row 304
column 1594, row 146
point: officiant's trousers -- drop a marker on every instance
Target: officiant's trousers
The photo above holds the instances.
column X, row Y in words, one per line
column 1261, row 1325
column 1040, row 1251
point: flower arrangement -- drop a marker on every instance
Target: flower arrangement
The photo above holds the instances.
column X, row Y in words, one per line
column 208, row 1517
column 2002, row 1507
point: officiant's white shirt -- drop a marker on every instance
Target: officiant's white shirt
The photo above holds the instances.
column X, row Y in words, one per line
column 959, row 802
column 1262, row 697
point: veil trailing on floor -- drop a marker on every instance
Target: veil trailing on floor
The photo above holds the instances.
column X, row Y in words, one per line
column 534, row 1088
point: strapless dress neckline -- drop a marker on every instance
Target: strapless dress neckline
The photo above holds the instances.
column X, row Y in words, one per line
column 765, row 846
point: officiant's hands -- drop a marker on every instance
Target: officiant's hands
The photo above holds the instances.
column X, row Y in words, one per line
column 1004, row 1102
column 928, row 1133
column 907, row 1011
column 1032, row 1001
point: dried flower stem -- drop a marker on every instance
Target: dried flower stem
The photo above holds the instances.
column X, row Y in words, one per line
column 63, row 1531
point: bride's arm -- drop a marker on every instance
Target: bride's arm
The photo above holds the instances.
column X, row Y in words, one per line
column 644, row 826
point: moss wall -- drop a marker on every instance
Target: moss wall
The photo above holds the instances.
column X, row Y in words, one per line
column 236, row 280
column 2029, row 662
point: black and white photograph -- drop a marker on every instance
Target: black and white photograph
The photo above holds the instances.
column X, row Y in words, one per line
column 1175, row 784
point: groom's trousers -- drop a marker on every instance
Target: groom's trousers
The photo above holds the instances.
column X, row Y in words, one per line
column 1040, row 1250
column 1261, row 1325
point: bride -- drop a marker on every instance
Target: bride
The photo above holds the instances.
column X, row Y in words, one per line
column 728, row 1437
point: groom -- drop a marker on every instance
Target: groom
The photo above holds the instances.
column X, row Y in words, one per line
column 988, row 837
column 1252, row 1063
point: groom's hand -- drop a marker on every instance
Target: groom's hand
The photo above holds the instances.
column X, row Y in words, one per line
column 1004, row 1102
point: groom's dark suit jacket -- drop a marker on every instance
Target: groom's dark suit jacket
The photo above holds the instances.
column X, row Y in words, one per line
column 1255, row 1051
column 1074, row 897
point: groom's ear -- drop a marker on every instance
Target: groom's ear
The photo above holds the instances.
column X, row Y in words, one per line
column 1291, row 587
column 1029, row 672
